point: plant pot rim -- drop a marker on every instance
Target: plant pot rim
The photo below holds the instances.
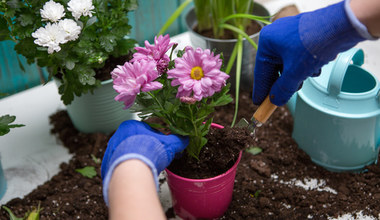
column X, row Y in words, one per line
column 104, row 82
column 211, row 178
column 216, row 39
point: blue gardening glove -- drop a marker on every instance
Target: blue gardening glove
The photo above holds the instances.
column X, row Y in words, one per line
column 137, row 140
column 297, row 47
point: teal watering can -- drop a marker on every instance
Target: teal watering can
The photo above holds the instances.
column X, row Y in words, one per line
column 337, row 115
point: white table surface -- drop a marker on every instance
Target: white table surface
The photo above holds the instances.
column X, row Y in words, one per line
column 30, row 155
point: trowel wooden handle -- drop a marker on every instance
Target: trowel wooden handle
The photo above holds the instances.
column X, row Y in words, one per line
column 265, row 110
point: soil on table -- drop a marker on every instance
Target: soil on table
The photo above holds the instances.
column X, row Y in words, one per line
column 267, row 186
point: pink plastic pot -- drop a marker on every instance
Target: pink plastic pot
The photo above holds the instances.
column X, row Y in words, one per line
column 202, row 198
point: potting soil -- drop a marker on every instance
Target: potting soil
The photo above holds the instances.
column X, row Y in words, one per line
column 281, row 182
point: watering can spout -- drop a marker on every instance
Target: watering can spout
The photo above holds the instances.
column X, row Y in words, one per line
column 292, row 104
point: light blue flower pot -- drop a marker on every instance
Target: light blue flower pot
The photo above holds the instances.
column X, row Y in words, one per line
column 3, row 182
column 337, row 115
column 99, row 112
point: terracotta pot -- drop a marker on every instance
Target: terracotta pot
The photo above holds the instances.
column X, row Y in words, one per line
column 202, row 198
column 226, row 47
column 98, row 111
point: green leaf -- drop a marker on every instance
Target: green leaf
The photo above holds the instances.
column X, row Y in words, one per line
column 178, row 131
column 34, row 214
column 95, row 159
column 155, row 125
column 88, row 171
column 182, row 114
column 168, row 106
column 4, row 31
column 257, row 193
column 108, row 42
column 87, row 78
column 91, row 21
column 7, row 119
column 123, row 47
column 11, row 215
column 20, row 64
column 70, row 64
column 5, row 124
column 254, row 150
column 27, row 48
column 26, row 19
column 206, row 127
column 132, row 5
column 14, row 4
column 203, row 143
column 10, row 13
column 224, row 100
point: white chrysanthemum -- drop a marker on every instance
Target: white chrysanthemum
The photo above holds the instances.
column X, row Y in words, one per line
column 52, row 11
column 50, row 36
column 71, row 28
column 80, row 7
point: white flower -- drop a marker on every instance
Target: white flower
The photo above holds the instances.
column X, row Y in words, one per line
column 80, row 7
column 50, row 36
column 71, row 28
column 52, row 11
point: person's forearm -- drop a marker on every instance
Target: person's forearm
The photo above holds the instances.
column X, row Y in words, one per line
column 132, row 192
column 368, row 13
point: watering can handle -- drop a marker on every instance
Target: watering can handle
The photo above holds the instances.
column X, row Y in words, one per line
column 339, row 69
column 264, row 111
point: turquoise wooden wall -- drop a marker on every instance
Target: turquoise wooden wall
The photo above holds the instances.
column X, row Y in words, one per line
column 12, row 77
column 146, row 22
column 148, row 19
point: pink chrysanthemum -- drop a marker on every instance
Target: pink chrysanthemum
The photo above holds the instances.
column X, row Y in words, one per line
column 155, row 52
column 198, row 74
column 130, row 79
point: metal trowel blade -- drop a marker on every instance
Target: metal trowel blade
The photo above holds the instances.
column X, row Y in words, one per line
column 243, row 123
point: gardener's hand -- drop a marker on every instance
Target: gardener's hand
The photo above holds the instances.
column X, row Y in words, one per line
column 297, row 47
column 137, row 140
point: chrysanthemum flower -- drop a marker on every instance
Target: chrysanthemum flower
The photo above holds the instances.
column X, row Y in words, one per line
column 52, row 11
column 156, row 52
column 131, row 78
column 198, row 74
column 50, row 36
column 71, row 28
column 80, row 7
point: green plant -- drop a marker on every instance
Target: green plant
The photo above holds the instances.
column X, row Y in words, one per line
column 72, row 38
column 5, row 124
column 220, row 15
column 88, row 171
column 95, row 159
column 182, row 92
column 254, row 150
column 30, row 215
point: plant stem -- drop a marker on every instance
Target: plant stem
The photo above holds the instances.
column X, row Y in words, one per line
column 159, row 103
column 219, row 10
column 242, row 7
column 252, row 17
column 202, row 11
column 240, row 32
column 192, row 121
column 238, row 72
column 231, row 60
column 173, row 17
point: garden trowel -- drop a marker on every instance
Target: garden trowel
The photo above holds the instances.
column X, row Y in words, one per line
column 261, row 115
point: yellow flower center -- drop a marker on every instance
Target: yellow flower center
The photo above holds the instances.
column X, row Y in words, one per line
column 196, row 73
